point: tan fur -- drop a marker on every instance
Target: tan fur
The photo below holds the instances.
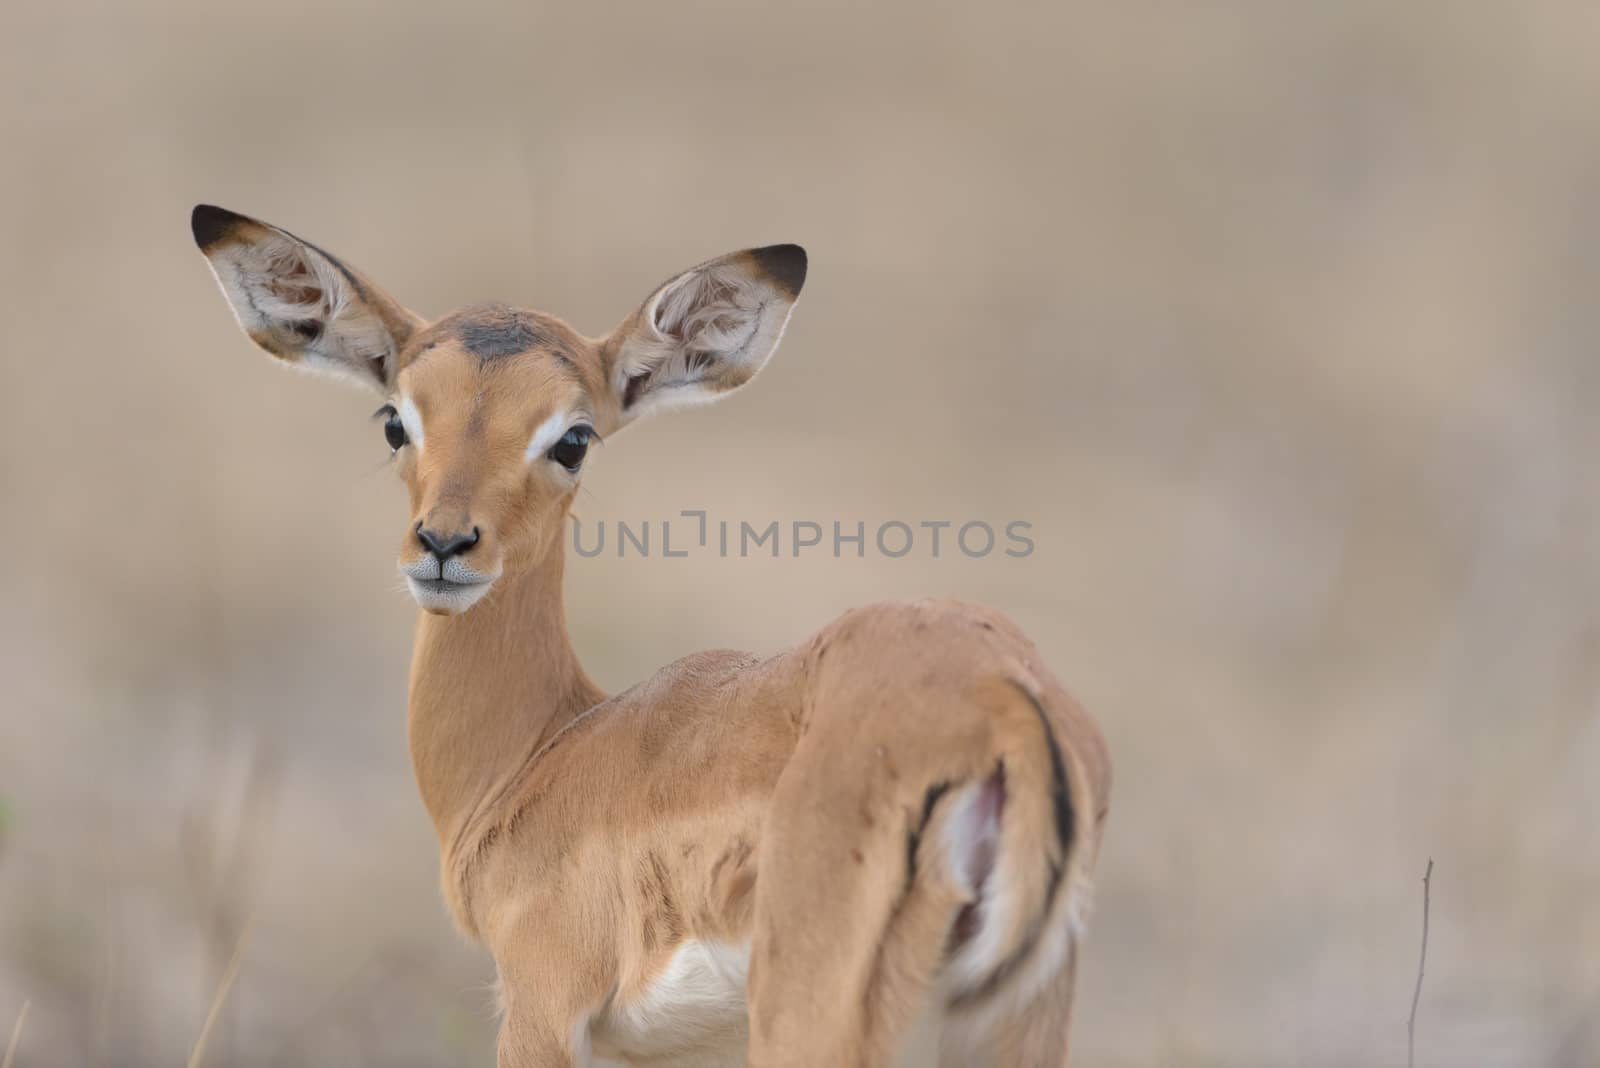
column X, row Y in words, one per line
column 810, row 806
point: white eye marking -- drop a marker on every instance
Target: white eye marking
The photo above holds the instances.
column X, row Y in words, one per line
column 548, row 434
column 411, row 419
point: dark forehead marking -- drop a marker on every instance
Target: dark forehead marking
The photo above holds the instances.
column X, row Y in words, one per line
column 493, row 331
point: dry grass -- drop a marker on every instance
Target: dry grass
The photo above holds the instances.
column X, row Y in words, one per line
column 16, row 1037
column 197, row 1055
column 1422, row 963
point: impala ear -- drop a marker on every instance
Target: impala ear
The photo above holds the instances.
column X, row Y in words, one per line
column 705, row 332
column 301, row 304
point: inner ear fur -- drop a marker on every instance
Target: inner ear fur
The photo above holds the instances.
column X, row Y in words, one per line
column 299, row 302
column 704, row 332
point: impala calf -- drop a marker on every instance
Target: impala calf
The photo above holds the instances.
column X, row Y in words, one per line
column 872, row 849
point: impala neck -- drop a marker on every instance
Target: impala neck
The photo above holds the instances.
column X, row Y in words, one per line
column 488, row 687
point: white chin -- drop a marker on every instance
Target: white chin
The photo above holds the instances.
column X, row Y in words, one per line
column 446, row 598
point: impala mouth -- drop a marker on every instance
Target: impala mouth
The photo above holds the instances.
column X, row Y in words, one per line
column 447, row 589
column 444, row 596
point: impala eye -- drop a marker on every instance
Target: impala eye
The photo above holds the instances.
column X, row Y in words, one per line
column 394, row 432
column 570, row 450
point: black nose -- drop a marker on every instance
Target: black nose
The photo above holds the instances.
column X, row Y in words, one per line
column 444, row 546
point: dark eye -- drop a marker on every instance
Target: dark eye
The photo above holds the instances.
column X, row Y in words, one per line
column 394, row 432
column 570, row 450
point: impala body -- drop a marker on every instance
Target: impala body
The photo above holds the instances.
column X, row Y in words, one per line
column 872, row 849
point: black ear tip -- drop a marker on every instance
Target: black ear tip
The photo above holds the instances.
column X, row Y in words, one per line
column 211, row 224
column 784, row 264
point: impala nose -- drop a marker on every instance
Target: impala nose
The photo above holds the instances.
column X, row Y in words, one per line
column 444, row 546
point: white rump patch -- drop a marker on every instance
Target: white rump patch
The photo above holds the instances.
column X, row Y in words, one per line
column 971, row 836
column 972, row 833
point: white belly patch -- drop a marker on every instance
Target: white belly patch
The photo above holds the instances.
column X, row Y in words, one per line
column 691, row 1016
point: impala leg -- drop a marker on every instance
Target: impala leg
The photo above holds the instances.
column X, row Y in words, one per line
column 527, row 1043
column 872, row 1010
column 549, row 987
column 846, row 949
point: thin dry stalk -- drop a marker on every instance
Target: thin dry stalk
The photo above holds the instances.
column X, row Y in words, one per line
column 1416, row 994
column 221, row 860
column 16, row 1036
column 221, row 995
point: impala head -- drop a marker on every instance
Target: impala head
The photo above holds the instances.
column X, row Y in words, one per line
column 490, row 411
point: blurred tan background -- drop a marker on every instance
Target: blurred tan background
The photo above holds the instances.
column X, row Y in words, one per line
column 1275, row 320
